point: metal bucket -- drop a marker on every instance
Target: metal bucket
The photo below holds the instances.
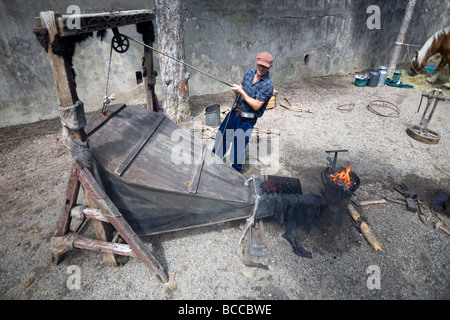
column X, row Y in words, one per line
column 374, row 78
column 213, row 115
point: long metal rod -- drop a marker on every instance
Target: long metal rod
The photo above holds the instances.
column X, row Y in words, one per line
column 179, row 61
column 225, row 128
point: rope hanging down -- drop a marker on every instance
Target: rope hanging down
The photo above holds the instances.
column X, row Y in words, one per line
column 105, row 97
column 177, row 60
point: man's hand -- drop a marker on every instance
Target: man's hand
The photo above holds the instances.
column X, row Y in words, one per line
column 237, row 88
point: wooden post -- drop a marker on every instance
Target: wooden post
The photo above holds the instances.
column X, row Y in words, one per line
column 174, row 75
column 149, row 77
column 148, row 64
column 62, row 70
column 395, row 54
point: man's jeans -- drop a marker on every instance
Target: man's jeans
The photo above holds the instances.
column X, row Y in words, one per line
column 238, row 134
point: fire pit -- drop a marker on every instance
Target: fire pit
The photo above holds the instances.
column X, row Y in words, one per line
column 340, row 183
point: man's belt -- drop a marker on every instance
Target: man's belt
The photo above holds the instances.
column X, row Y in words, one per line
column 247, row 115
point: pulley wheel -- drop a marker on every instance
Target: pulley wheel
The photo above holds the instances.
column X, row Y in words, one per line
column 423, row 135
column 120, row 43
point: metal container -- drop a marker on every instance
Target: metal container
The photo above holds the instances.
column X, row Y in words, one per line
column 213, row 115
column 337, row 199
column 383, row 74
column 374, row 78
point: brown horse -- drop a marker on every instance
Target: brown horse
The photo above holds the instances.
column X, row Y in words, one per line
column 438, row 43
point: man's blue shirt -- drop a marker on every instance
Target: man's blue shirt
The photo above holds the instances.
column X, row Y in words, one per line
column 262, row 90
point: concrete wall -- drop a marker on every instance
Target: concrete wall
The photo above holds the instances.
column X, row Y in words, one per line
column 222, row 38
column 332, row 32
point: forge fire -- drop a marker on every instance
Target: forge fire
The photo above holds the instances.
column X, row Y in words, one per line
column 343, row 179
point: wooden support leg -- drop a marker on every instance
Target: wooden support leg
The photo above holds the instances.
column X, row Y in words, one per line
column 73, row 188
column 104, row 215
column 103, row 230
column 138, row 247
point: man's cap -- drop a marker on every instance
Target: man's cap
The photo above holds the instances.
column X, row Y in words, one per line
column 265, row 59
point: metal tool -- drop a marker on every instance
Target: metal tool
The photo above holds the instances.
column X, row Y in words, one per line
column 140, row 75
column 254, row 248
column 421, row 132
column 355, row 200
column 220, row 145
column 333, row 162
column 410, row 198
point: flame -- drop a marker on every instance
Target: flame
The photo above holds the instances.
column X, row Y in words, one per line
column 343, row 178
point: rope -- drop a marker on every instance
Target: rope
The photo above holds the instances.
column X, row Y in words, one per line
column 408, row 45
column 407, row 53
column 177, row 60
column 105, row 98
column 251, row 219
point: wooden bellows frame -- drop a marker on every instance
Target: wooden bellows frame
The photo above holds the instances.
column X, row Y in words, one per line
column 100, row 208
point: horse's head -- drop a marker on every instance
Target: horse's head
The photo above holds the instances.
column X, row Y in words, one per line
column 415, row 66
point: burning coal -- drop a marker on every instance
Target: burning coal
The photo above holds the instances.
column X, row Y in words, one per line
column 343, row 179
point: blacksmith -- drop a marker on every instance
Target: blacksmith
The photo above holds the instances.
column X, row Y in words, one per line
column 252, row 97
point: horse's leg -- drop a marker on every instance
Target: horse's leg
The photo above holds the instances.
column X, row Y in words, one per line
column 447, row 85
column 439, row 68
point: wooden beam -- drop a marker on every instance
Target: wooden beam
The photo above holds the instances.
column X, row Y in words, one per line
column 62, row 71
column 193, row 185
column 141, row 251
column 95, row 21
column 138, row 146
column 73, row 188
column 90, row 184
column 103, row 246
column 91, row 22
